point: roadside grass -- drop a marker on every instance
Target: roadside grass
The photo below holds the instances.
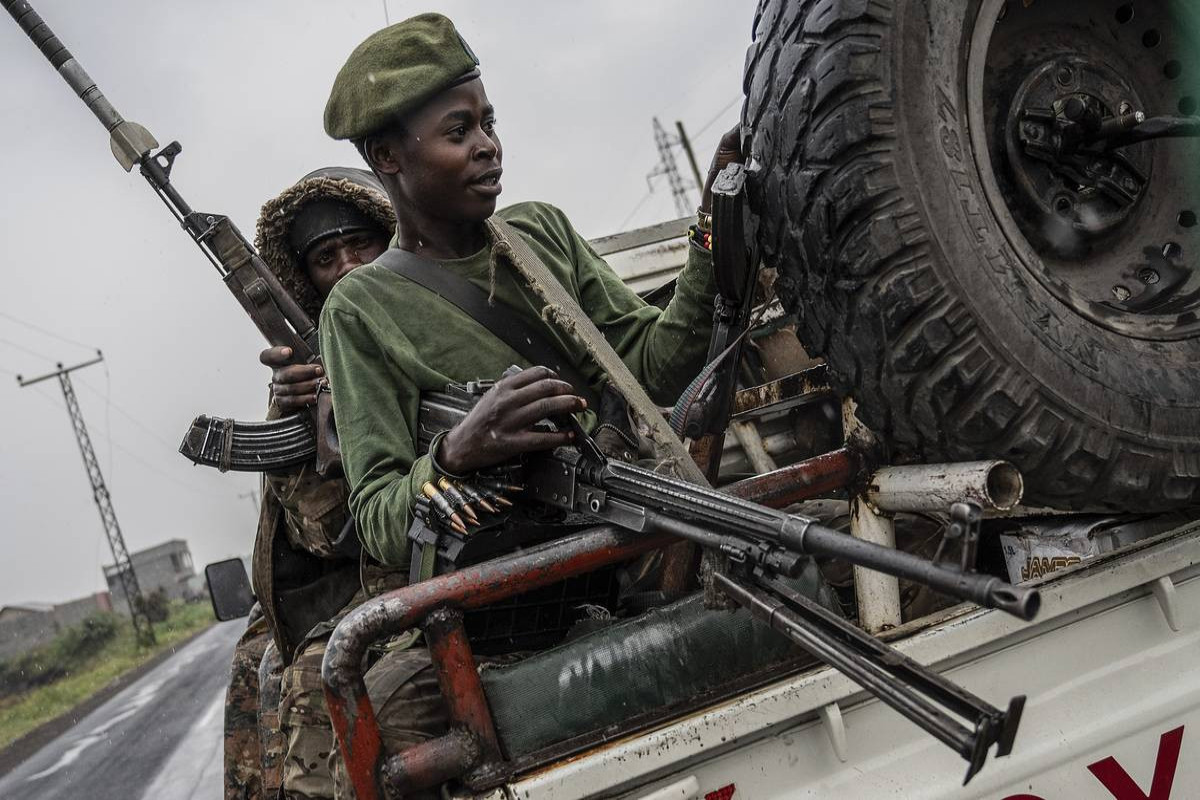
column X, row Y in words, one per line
column 22, row 713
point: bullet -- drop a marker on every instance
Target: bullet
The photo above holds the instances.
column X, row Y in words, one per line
column 443, row 506
column 475, row 497
column 492, row 494
column 500, row 486
column 457, row 500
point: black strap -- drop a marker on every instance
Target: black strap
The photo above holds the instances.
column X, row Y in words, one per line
column 500, row 320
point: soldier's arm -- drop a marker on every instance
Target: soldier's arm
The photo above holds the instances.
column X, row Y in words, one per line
column 664, row 348
column 375, row 404
column 315, row 507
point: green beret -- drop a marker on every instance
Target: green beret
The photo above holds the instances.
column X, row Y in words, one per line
column 394, row 72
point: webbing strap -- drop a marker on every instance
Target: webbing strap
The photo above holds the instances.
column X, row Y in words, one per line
column 428, row 561
column 497, row 318
column 566, row 313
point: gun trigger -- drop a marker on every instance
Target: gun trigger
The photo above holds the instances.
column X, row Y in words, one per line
column 586, row 444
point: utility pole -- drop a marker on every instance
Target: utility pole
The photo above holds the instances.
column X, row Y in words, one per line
column 124, row 566
column 687, row 148
column 666, row 166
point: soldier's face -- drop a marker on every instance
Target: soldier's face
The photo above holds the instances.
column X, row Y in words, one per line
column 332, row 258
column 449, row 156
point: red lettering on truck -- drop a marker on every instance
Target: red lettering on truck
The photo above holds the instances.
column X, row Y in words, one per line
column 1121, row 786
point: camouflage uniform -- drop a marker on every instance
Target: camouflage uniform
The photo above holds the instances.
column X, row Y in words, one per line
column 243, row 751
column 305, row 574
column 271, row 742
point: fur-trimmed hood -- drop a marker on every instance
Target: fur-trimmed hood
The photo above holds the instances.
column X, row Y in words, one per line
column 355, row 186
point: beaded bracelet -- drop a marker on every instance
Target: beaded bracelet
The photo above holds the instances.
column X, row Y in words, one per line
column 700, row 238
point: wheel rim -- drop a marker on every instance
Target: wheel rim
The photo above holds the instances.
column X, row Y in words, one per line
column 1111, row 233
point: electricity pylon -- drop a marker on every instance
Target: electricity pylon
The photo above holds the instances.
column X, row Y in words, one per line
column 124, row 566
column 666, row 166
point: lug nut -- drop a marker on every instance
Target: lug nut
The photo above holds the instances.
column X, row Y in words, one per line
column 1121, row 293
column 1148, row 276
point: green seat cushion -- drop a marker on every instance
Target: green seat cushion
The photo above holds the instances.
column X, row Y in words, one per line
column 662, row 659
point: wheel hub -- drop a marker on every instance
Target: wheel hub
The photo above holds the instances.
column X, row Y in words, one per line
column 1061, row 98
column 1077, row 191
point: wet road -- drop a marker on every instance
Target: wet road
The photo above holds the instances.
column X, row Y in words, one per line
column 158, row 738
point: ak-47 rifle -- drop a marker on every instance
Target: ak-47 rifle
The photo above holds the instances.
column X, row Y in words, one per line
column 293, row 439
column 763, row 545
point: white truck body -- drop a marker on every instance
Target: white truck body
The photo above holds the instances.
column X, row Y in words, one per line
column 1113, row 702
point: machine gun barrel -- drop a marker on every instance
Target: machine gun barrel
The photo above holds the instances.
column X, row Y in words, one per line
column 636, row 497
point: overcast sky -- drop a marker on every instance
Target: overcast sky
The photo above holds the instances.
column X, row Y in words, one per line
column 92, row 258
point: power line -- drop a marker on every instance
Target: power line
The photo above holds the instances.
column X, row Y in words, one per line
column 45, row 332
column 156, row 470
column 27, row 351
column 130, row 417
column 719, row 114
column 636, row 208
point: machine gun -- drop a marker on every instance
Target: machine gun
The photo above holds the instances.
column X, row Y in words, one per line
column 277, row 315
column 765, row 547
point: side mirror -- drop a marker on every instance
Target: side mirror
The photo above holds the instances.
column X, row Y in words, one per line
column 229, row 589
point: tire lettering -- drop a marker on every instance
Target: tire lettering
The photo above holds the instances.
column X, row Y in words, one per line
column 946, row 109
column 950, row 145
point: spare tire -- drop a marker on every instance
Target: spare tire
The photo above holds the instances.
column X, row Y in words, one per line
column 984, row 275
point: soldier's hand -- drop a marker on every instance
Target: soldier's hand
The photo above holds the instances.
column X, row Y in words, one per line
column 294, row 385
column 500, row 425
column 729, row 151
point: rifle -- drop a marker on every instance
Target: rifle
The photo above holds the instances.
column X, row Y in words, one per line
column 763, row 546
column 276, row 314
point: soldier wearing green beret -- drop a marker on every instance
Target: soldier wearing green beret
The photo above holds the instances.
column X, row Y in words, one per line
column 411, row 99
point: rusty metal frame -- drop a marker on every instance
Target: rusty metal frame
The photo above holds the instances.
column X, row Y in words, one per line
column 470, row 749
column 818, row 476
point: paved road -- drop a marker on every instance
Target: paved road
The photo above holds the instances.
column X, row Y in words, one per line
column 159, row 738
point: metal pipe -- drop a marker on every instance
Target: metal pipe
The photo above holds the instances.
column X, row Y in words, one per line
column 458, row 679
column 752, row 445
column 878, row 594
column 991, row 485
column 804, row 480
column 431, row 762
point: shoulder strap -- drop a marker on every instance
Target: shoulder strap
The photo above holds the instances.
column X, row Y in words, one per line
column 572, row 319
column 500, row 320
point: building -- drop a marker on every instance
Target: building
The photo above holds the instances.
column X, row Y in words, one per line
column 25, row 626
column 167, row 566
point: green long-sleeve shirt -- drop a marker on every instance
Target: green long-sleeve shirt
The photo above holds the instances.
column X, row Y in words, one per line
column 385, row 340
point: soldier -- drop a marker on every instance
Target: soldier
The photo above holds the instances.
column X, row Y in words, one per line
column 411, row 100
column 306, row 556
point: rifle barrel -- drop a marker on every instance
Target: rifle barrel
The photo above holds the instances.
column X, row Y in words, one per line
column 60, row 57
column 216, row 235
column 985, row 590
